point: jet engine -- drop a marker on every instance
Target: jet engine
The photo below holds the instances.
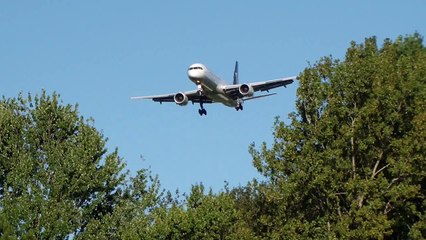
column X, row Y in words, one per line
column 246, row 90
column 180, row 99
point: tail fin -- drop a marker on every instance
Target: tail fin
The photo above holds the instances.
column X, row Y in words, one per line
column 236, row 73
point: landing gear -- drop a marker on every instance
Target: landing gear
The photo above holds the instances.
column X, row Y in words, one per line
column 239, row 105
column 202, row 111
column 200, row 89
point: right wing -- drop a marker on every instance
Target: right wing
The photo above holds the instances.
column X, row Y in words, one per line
column 193, row 96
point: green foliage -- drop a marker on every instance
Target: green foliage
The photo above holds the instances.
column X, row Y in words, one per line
column 201, row 216
column 132, row 216
column 55, row 175
column 352, row 162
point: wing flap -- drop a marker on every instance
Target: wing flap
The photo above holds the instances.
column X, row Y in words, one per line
column 260, row 96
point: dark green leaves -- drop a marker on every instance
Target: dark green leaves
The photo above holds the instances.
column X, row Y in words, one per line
column 352, row 162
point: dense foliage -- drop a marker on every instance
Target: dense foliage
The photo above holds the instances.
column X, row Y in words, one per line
column 351, row 164
column 55, row 177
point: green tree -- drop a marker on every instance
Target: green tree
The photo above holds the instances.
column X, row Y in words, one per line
column 352, row 162
column 132, row 216
column 256, row 213
column 200, row 216
column 56, row 177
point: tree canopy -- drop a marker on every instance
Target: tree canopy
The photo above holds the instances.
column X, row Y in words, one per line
column 56, row 177
column 350, row 164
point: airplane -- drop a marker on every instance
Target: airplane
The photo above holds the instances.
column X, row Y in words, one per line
column 212, row 89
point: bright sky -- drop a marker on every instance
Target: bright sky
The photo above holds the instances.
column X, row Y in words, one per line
column 100, row 53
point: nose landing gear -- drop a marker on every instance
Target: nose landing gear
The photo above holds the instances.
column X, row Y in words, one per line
column 202, row 111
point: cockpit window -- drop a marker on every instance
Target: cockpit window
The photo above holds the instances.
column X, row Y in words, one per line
column 192, row 68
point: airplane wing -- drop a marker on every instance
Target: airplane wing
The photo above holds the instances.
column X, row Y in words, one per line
column 232, row 90
column 267, row 85
column 193, row 96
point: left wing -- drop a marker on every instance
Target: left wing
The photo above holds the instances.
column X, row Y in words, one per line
column 233, row 90
column 193, row 96
column 267, row 85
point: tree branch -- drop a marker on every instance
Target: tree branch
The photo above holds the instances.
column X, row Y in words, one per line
column 353, row 149
column 374, row 173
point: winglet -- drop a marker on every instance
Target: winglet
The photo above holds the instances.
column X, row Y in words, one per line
column 236, row 73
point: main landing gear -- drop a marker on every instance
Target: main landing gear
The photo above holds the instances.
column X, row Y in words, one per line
column 239, row 105
column 202, row 111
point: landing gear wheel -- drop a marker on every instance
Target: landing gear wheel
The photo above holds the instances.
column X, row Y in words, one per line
column 239, row 104
column 202, row 112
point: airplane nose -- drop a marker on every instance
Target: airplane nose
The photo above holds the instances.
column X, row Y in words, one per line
column 196, row 74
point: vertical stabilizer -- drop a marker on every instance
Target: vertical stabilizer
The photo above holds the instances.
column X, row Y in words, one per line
column 236, row 73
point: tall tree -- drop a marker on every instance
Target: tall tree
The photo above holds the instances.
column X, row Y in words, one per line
column 352, row 162
column 56, row 176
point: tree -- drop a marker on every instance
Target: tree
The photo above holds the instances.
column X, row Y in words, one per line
column 256, row 219
column 133, row 216
column 200, row 216
column 351, row 164
column 56, row 177
column 57, row 181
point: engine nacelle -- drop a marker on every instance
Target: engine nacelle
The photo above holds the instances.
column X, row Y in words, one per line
column 246, row 90
column 180, row 99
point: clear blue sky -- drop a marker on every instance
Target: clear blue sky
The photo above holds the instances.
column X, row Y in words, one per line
column 99, row 53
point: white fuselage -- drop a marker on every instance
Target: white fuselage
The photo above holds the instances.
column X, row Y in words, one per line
column 210, row 84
